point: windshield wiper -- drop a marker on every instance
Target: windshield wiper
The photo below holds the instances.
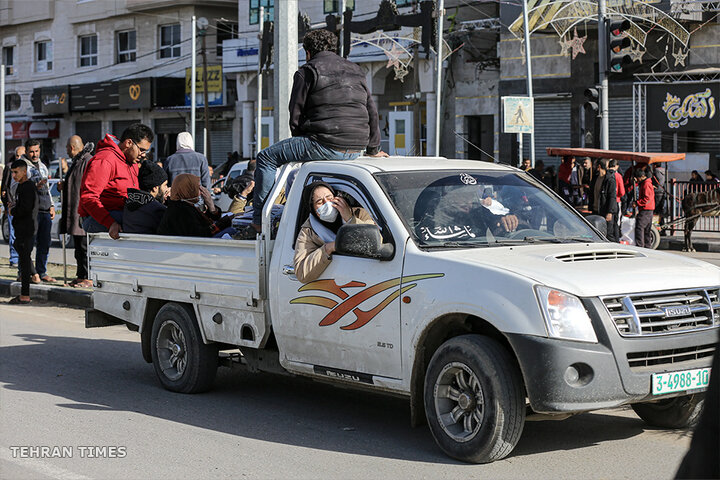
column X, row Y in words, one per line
column 457, row 245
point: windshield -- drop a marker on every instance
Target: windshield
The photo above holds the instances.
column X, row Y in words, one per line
column 450, row 209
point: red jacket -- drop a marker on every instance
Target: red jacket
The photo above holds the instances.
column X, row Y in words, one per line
column 106, row 181
column 646, row 200
column 620, row 192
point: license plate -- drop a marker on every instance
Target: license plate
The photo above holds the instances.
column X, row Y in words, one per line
column 680, row 381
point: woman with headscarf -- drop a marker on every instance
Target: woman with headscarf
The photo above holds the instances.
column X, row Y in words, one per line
column 316, row 242
column 190, row 210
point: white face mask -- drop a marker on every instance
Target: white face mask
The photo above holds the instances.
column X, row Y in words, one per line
column 327, row 212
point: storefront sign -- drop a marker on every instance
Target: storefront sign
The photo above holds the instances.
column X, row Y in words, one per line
column 45, row 129
column 136, row 93
column 685, row 107
column 16, row 130
column 214, row 84
column 54, row 99
column 94, row 96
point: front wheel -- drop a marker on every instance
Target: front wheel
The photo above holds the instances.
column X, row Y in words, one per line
column 678, row 412
column 474, row 399
column 182, row 362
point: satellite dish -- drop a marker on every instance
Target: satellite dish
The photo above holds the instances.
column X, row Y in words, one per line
column 202, row 23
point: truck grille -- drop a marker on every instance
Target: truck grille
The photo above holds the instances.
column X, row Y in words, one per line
column 668, row 357
column 664, row 313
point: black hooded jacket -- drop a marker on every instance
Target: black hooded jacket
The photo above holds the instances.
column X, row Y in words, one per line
column 142, row 212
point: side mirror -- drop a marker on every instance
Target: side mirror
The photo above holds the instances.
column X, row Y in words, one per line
column 362, row 240
column 599, row 223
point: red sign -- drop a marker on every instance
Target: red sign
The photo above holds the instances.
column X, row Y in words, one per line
column 16, row 130
column 44, row 129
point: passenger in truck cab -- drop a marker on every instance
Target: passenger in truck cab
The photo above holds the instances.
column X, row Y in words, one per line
column 316, row 242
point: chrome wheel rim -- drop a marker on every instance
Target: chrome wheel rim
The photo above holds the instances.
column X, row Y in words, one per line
column 459, row 402
column 171, row 350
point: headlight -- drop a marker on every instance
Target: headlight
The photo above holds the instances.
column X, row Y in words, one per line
column 565, row 315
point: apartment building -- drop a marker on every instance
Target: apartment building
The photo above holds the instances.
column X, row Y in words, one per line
column 95, row 66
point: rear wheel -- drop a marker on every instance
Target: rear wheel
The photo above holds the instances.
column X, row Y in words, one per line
column 654, row 237
column 678, row 412
column 182, row 362
column 474, row 399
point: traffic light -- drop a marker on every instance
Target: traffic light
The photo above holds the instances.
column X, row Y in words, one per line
column 617, row 42
column 592, row 101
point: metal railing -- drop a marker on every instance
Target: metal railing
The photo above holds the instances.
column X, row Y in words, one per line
column 679, row 189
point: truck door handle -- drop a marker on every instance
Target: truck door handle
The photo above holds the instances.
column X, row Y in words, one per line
column 288, row 270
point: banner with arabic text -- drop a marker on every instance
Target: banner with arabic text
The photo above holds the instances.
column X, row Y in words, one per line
column 691, row 107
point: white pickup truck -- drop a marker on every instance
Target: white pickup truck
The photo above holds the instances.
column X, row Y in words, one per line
column 480, row 295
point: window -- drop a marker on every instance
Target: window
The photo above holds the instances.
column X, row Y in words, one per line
column 170, row 41
column 88, row 51
column 225, row 31
column 43, row 56
column 126, row 46
column 255, row 10
column 332, row 6
column 403, row 3
column 12, row 102
column 7, row 60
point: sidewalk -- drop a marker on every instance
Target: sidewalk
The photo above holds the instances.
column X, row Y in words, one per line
column 702, row 242
column 54, row 292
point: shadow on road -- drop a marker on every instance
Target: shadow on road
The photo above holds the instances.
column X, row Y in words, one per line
column 110, row 375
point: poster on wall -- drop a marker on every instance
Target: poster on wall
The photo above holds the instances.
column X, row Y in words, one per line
column 691, row 107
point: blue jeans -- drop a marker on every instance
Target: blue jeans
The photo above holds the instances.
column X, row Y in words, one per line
column 90, row 225
column 14, row 257
column 42, row 242
column 294, row 149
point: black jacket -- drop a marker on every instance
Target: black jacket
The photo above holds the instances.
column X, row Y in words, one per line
column 608, row 194
column 331, row 104
column 142, row 212
column 25, row 211
column 184, row 220
column 70, row 221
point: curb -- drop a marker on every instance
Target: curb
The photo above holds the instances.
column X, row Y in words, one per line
column 66, row 295
column 701, row 245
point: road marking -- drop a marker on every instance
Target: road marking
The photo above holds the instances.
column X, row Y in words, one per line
column 41, row 466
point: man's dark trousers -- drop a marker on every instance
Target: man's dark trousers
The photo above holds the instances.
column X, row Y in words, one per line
column 643, row 223
column 24, row 246
column 81, row 256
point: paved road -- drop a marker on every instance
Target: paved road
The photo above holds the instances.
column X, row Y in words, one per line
column 63, row 385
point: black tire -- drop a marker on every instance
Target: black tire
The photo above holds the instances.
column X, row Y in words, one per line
column 491, row 402
column 182, row 362
column 678, row 412
column 655, row 237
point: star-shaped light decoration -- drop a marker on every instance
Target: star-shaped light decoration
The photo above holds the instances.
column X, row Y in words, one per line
column 636, row 52
column 393, row 56
column 576, row 43
column 680, row 57
column 400, row 73
column 564, row 46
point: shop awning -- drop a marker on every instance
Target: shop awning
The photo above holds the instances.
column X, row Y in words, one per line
column 637, row 157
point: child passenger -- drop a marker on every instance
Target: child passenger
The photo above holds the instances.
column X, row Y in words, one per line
column 24, row 210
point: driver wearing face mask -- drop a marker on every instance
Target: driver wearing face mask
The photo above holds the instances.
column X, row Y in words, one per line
column 316, row 241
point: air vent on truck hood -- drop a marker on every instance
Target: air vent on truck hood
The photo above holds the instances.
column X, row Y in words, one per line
column 596, row 255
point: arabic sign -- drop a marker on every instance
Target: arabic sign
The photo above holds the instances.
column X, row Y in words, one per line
column 135, row 93
column 16, row 130
column 54, row 100
column 683, row 107
column 518, row 114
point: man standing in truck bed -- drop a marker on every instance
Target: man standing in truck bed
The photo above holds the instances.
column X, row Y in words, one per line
column 332, row 116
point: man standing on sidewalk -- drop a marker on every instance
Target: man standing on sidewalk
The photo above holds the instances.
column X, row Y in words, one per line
column 70, row 221
column 605, row 197
column 46, row 210
column 6, row 197
column 332, row 117
column 620, row 193
column 187, row 160
column 645, row 207
column 24, row 208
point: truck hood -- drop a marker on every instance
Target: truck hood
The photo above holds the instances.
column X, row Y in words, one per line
column 589, row 270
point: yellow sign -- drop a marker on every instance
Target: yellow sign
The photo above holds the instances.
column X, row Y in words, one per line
column 214, row 78
column 134, row 91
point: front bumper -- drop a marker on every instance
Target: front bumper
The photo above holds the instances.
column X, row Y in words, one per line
column 566, row 376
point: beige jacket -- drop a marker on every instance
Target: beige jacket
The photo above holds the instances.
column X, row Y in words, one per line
column 310, row 257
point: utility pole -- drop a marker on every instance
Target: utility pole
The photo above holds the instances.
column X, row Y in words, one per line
column 206, row 144
column 528, row 66
column 438, row 75
column 193, row 79
column 286, row 62
column 342, row 27
column 258, row 118
column 602, row 63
